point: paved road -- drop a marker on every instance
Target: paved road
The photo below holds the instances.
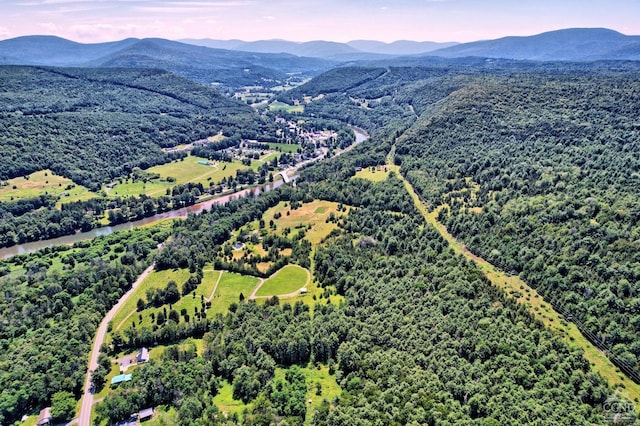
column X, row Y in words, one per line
column 87, row 397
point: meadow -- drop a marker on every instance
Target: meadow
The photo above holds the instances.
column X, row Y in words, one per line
column 313, row 214
column 183, row 171
column 281, row 106
column 284, row 147
column 157, row 280
column 289, row 279
column 44, row 182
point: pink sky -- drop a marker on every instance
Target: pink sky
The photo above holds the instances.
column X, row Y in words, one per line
column 304, row 20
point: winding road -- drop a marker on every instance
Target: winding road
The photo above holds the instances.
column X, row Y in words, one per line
column 84, row 419
column 87, row 398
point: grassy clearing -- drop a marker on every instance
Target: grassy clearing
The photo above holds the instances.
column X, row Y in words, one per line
column 314, row 214
column 225, row 402
column 287, row 280
column 163, row 417
column 523, row 293
column 187, row 170
column 157, row 279
column 41, row 183
column 281, row 106
column 209, row 280
column 156, row 352
column 308, row 299
column 330, row 389
column 229, row 289
column 376, row 174
column 284, row 147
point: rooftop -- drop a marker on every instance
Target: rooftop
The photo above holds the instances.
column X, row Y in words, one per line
column 120, row 378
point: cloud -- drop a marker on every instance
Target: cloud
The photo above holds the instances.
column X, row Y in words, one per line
column 49, row 27
column 190, row 6
column 114, row 31
column 56, row 2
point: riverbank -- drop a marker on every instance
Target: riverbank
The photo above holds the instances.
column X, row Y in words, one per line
column 181, row 213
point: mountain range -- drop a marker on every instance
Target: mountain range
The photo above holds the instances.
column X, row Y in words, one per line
column 574, row 44
column 236, row 63
column 205, row 65
column 357, row 49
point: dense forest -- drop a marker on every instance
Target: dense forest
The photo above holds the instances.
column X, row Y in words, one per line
column 423, row 338
column 535, row 167
column 540, row 175
column 93, row 125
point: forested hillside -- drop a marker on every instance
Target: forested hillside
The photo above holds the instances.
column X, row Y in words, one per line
column 422, row 338
column 93, row 125
column 535, row 168
column 540, row 176
column 535, row 164
column 52, row 304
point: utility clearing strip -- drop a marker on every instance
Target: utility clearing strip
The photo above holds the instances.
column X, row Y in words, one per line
column 523, row 293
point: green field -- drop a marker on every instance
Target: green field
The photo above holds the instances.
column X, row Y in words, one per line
column 287, row 280
column 376, row 175
column 284, row 147
column 314, row 214
column 229, row 289
column 330, row 389
column 188, row 302
column 187, row 170
column 157, row 279
column 281, row 106
column 41, row 183
column 225, row 402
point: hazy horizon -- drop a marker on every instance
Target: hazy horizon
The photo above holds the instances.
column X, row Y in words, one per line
column 91, row 21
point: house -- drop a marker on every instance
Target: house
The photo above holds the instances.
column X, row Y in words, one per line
column 303, row 290
column 120, row 378
column 145, row 414
column 143, row 355
column 45, row 417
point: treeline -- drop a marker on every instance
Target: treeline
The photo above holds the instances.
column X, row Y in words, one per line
column 20, row 207
column 541, row 177
column 53, row 302
column 188, row 382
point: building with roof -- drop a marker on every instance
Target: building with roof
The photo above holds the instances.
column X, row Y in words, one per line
column 45, row 417
column 145, row 414
column 120, row 379
column 143, row 355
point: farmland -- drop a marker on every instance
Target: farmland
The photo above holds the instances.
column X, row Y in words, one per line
column 44, row 182
column 191, row 169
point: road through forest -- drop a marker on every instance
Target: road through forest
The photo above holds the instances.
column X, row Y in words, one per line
column 87, row 397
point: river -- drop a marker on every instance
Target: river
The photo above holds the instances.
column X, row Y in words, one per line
column 172, row 214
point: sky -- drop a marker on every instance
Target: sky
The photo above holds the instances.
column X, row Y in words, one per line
column 92, row 21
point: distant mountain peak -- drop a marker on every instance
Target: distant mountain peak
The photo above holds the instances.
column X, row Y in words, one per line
column 570, row 44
